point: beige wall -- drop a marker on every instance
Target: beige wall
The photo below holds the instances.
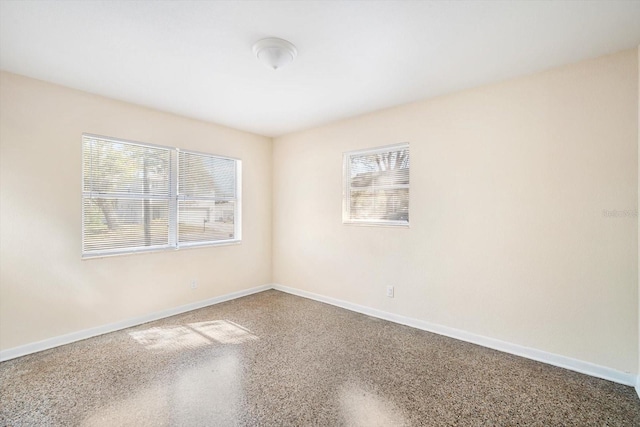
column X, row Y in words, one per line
column 46, row 290
column 507, row 237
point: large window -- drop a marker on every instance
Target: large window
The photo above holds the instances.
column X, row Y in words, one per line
column 376, row 186
column 140, row 197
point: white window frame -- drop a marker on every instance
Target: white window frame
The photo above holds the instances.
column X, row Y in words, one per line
column 347, row 189
column 173, row 197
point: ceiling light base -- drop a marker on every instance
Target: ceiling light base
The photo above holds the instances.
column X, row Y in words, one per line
column 275, row 53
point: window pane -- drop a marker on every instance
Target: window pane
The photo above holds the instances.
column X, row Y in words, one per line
column 386, row 168
column 381, row 178
column 112, row 223
column 385, row 205
column 205, row 220
column 206, row 176
column 119, row 167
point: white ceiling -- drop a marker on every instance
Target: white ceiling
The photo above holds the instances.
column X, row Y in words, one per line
column 194, row 58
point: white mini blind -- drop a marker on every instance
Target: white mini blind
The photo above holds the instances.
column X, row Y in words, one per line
column 377, row 186
column 126, row 196
column 207, row 198
column 139, row 197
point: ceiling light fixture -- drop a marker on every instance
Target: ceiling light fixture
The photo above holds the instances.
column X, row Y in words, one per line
column 274, row 53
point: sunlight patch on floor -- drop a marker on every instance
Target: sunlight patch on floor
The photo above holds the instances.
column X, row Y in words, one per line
column 193, row 335
column 202, row 394
column 361, row 408
column 224, row 331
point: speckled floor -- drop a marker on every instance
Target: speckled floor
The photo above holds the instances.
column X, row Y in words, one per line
column 274, row 359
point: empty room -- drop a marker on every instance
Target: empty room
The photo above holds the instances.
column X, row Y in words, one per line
column 319, row 213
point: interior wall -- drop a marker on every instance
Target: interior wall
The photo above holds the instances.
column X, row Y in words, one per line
column 46, row 290
column 512, row 232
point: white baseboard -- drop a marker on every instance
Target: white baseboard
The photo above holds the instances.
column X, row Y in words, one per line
column 527, row 352
column 35, row 347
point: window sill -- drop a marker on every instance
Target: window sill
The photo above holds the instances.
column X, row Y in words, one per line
column 392, row 224
column 86, row 257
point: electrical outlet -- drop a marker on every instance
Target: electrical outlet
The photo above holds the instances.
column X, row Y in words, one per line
column 390, row 291
column 194, row 284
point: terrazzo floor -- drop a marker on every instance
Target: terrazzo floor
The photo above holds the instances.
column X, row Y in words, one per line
column 274, row 359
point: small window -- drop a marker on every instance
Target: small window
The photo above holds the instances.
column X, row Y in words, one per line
column 376, row 186
column 141, row 197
